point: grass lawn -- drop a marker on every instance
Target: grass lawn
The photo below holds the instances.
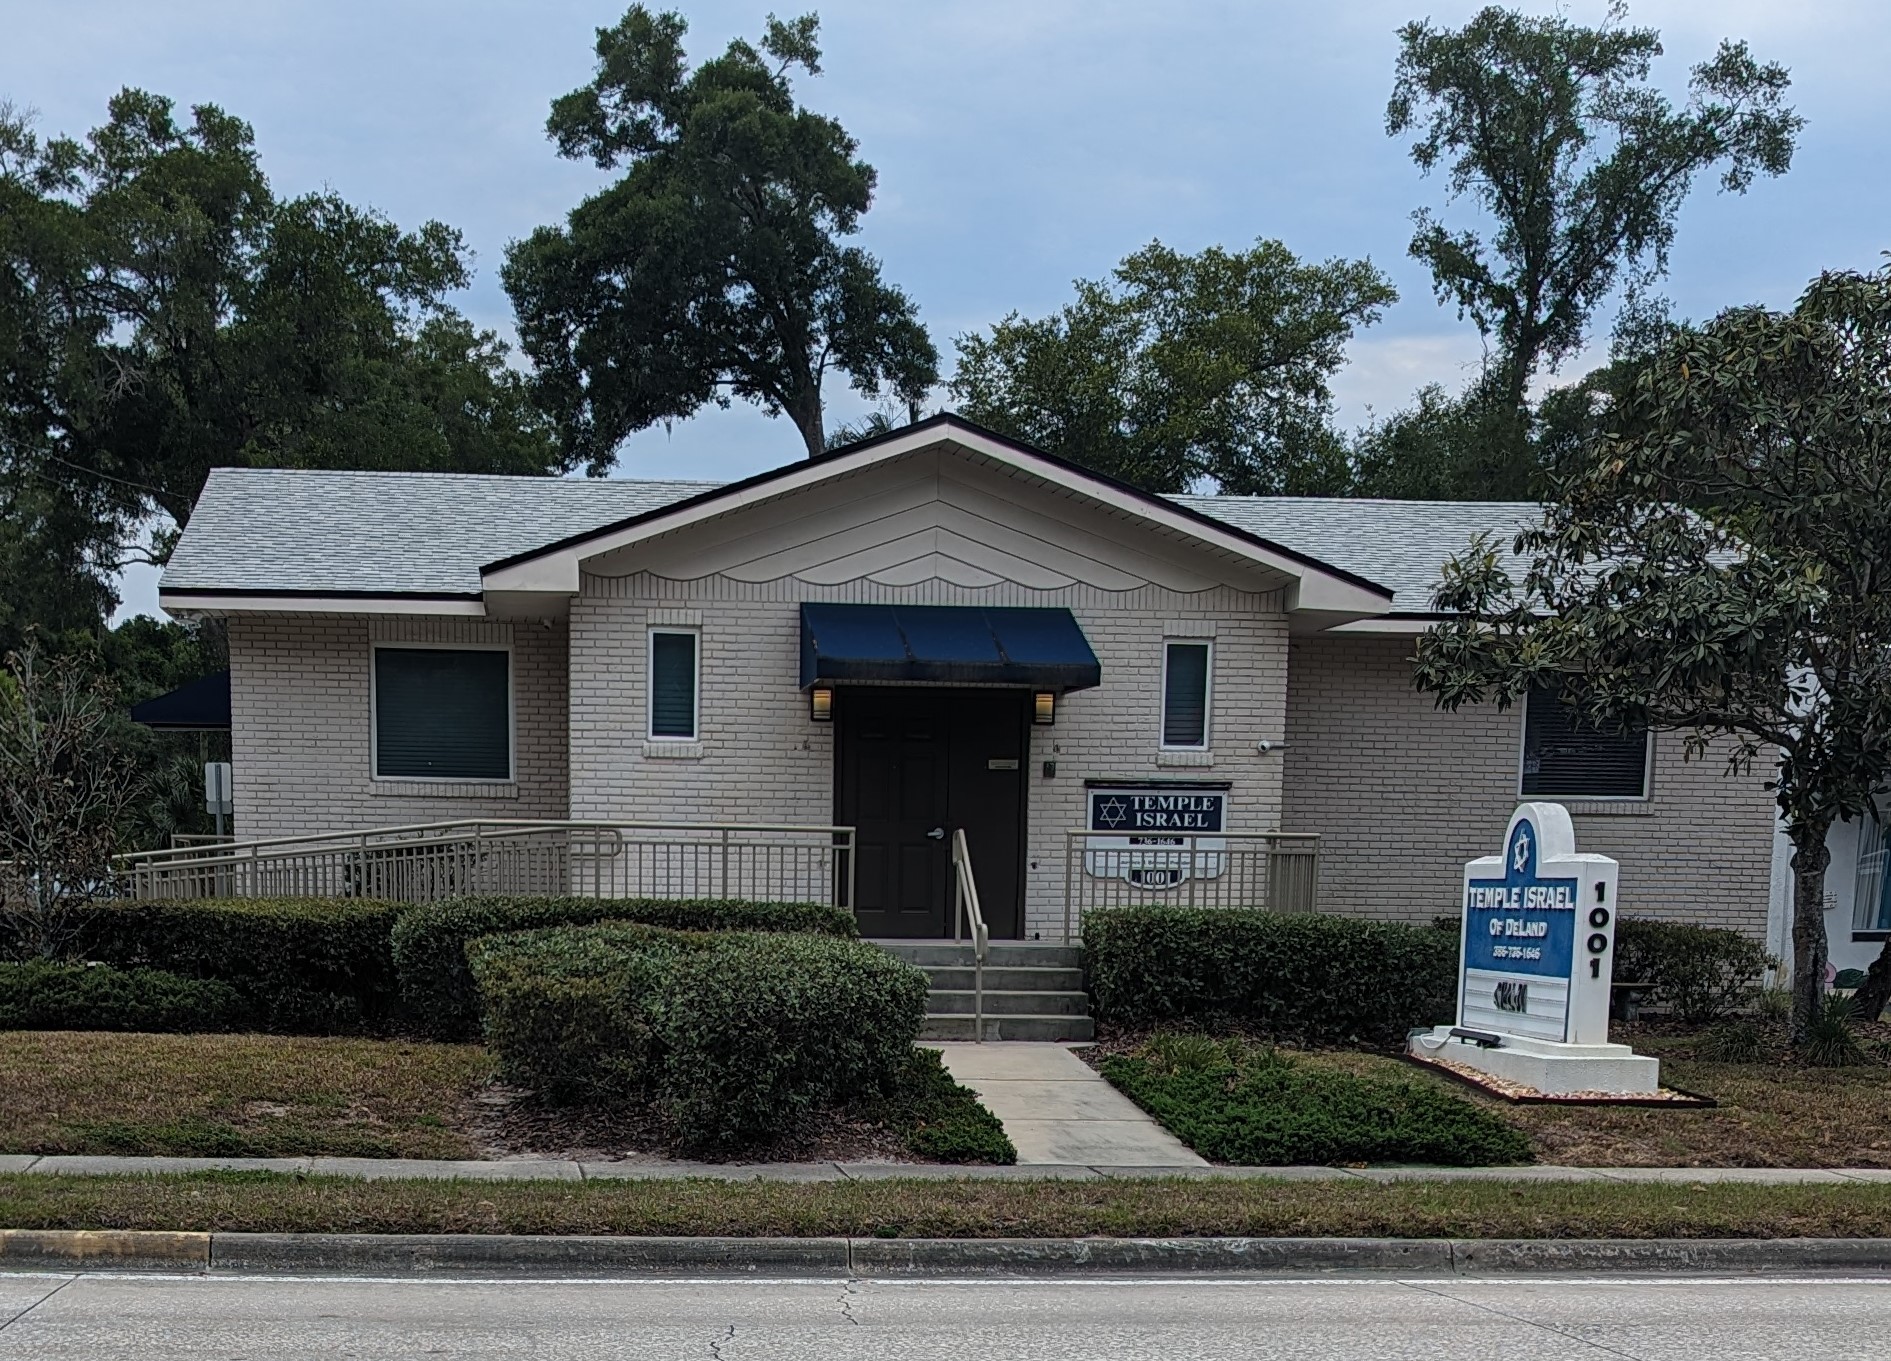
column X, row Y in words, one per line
column 234, row 1095
column 1770, row 1114
column 263, row 1202
column 286, row 1096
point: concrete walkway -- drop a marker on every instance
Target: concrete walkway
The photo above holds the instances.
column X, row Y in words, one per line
column 1059, row 1111
column 390, row 1169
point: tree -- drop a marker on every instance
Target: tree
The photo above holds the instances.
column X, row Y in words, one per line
column 714, row 269
column 162, row 313
column 1718, row 563
column 1441, row 448
column 1183, row 368
column 1554, row 132
column 63, row 790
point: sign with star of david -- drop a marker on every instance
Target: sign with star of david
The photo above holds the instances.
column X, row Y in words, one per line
column 1156, row 836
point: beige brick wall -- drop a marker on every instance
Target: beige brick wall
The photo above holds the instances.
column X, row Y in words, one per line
column 1403, row 794
column 300, row 707
column 762, row 759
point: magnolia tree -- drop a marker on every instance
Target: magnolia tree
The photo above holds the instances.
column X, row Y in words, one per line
column 1718, row 563
column 63, row 790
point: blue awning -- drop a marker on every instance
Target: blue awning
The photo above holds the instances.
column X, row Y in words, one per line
column 946, row 645
column 199, row 705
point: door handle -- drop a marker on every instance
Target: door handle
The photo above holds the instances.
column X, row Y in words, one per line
column 937, row 834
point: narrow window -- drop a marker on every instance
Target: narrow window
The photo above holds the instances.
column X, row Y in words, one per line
column 673, row 690
column 1185, row 695
column 1564, row 757
column 442, row 713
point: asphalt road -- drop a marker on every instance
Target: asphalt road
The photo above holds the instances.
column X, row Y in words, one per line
column 275, row 1319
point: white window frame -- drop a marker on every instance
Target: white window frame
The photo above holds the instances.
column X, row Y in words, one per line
column 1647, row 768
column 1208, row 696
column 695, row 634
column 374, row 713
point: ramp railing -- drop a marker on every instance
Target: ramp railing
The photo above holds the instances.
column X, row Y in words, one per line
column 1275, row 871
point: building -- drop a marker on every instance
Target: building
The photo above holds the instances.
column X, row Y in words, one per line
column 932, row 630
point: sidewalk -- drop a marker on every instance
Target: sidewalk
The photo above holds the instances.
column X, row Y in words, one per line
column 381, row 1169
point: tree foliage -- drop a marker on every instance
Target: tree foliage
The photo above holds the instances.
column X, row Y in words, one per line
column 1183, row 368
column 713, row 270
column 1718, row 562
column 163, row 313
column 1579, row 164
column 64, row 788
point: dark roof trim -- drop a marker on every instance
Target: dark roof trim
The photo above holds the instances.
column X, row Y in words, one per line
column 273, row 592
column 202, row 705
column 946, row 421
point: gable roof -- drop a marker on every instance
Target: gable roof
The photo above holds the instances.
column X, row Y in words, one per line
column 1400, row 544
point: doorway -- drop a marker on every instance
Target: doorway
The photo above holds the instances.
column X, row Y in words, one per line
column 912, row 763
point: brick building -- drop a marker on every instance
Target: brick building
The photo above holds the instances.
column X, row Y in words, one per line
column 934, row 629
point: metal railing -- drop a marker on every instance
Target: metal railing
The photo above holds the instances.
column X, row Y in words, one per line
column 1276, row 871
column 965, row 909
column 426, row 862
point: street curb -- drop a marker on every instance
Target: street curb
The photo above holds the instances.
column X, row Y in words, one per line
column 102, row 1249
column 525, row 1256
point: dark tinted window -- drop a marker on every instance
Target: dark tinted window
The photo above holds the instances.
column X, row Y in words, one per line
column 673, row 685
column 442, row 714
column 1565, row 757
column 1185, row 695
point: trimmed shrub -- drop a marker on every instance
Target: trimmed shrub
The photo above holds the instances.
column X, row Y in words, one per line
column 301, row 965
column 1315, row 980
column 429, row 941
column 1701, row 973
column 1237, row 1103
column 940, row 1120
column 736, row 1037
column 47, row 996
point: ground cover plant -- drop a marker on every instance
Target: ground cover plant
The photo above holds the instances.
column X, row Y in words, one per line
column 929, row 1208
column 1304, row 978
column 235, row 1095
column 1237, row 1102
column 429, row 941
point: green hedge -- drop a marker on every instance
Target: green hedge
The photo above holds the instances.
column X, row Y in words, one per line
column 736, row 1037
column 1702, row 973
column 315, row 965
column 46, row 996
column 1236, row 1103
column 429, row 942
column 1315, row 980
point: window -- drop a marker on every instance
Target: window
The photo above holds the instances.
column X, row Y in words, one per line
column 1185, row 695
column 1563, row 757
column 673, row 687
column 442, row 713
column 1871, row 889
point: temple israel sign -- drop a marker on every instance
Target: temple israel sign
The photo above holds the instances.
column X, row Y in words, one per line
column 1535, row 962
column 1156, row 836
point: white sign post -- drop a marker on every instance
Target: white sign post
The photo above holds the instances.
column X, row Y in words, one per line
column 1536, row 957
column 218, row 796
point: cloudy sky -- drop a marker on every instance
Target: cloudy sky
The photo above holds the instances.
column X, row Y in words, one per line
column 1020, row 143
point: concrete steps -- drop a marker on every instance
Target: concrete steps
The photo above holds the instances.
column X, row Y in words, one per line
column 1032, row 991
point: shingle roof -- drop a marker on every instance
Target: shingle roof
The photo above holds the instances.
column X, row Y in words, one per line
column 1399, row 544
column 292, row 530
column 276, row 529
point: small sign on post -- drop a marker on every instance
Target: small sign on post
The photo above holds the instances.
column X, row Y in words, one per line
column 218, row 792
column 1536, row 959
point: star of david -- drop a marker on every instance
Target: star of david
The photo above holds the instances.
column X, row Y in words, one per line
column 1112, row 813
column 1520, row 853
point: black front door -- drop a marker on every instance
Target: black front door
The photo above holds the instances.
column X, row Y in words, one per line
column 912, row 764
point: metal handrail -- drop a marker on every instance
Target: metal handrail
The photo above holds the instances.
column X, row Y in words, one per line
column 964, row 905
column 1211, row 869
column 263, row 844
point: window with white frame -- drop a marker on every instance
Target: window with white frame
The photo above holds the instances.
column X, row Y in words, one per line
column 442, row 713
column 1871, row 889
column 1186, row 667
column 1567, row 758
column 675, row 685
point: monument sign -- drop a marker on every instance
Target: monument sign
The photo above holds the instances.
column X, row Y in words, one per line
column 1536, row 958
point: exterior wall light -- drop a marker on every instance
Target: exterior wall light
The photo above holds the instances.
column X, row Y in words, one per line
column 1044, row 708
column 821, row 704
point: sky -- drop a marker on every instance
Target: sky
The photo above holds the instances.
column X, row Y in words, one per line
column 1020, row 144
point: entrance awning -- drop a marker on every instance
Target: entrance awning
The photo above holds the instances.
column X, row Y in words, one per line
column 202, row 705
column 946, row 645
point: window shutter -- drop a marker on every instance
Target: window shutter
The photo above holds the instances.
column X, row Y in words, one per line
column 1185, row 695
column 1565, row 757
column 442, row 714
column 673, row 685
